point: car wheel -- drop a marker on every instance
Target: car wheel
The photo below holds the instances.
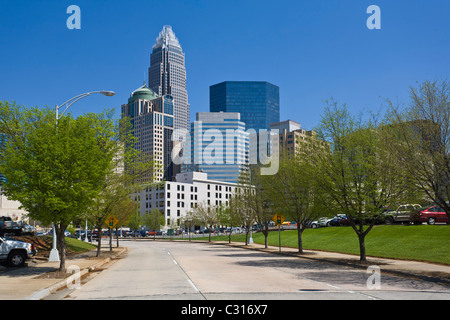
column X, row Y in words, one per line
column 314, row 226
column 388, row 220
column 16, row 259
column 431, row 220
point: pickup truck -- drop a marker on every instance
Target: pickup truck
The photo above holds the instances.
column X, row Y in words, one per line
column 7, row 225
column 15, row 252
column 404, row 213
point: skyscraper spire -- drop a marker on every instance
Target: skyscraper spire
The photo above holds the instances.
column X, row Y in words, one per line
column 167, row 38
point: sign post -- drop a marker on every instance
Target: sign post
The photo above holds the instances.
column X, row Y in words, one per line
column 279, row 219
column 111, row 222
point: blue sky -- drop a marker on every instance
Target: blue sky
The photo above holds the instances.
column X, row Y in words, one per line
column 313, row 50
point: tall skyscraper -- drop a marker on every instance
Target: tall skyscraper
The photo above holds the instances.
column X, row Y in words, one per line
column 258, row 102
column 219, row 146
column 152, row 120
column 167, row 75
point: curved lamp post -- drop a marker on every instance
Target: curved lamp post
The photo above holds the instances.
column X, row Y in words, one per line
column 54, row 254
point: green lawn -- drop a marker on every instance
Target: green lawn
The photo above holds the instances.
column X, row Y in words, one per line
column 421, row 243
column 78, row 246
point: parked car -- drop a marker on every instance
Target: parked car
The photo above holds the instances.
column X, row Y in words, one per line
column 404, row 213
column 15, row 252
column 433, row 214
column 340, row 220
column 322, row 222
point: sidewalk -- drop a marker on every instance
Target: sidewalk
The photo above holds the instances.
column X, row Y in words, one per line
column 415, row 269
column 33, row 283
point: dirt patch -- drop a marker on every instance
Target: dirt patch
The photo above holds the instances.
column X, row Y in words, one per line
column 53, row 275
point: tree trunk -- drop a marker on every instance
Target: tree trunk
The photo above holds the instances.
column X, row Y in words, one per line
column 59, row 230
column 362, row 247
column 266, row 239
column 99, row 242
column 299, row 237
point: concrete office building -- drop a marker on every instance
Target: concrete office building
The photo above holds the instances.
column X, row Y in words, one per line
column 152, row 124
column 291, row 135
column 175, row 198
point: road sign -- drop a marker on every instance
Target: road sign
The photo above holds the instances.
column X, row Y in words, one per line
column 111, row 222
column 278, row 219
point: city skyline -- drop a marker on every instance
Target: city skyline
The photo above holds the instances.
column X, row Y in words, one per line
column 313, row 51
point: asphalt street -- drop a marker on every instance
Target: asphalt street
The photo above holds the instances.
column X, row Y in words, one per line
column 200, row 271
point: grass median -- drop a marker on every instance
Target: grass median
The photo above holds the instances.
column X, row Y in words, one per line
column 421, row 243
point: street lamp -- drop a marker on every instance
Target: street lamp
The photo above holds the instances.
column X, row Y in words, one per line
column 54, row 254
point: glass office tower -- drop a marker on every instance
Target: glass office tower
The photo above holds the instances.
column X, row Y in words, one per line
column 219, row 146
column 167, row 75
column 258, row 102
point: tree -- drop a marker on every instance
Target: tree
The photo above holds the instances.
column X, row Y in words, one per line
column 229, row 215
column 420, row 139
column 113, row 194
column 154, row 220
column 123, row 211
column 205, row 215
column 293, row 191
column 189, row 221
column 135, row 221
column 55, row 172
column 359, row 174
column 127, row 169
column 241, row 212
column 256, row 198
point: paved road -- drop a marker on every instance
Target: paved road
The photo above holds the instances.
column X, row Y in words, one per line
column 199, row 271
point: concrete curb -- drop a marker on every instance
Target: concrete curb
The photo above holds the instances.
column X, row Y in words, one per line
column 41, row 294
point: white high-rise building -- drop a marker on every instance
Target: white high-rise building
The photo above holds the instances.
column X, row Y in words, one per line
column 175, row 198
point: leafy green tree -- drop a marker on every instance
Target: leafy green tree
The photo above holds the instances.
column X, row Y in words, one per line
column 135, row 221
column 125, row 175
column 240, row 211
column 55, row 172
column 255, row 198
column 123, row 211
column 420, row 140
column 293, row 191
column 154, row 220
column 229, row 215
column 359, row 174
column 206, row 215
